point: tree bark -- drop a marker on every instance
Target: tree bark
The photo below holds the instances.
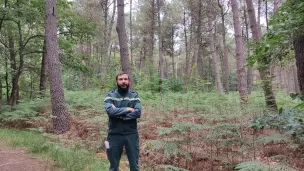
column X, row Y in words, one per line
column 249, row 68
column 295, row 76
column 160, row 42
column 172, row 52
column 275, row 5
column 6, row 81
column 123, row 41
column 187, row 68
column 266, row 13
column 1, row 98
column 226, row 72
column 242, row 82
column 215, row 62
column 299, row 52
column 107, row 35
column 151, row 35
column 59, row 110
column 43, row 75
column 131, row 35
column 264, row 72
column 199, row 53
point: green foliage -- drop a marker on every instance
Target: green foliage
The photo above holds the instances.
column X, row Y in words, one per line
column 290, row 120
column 180, row 127
column 23, row 111
column 171, row 168
column 286, row 24
column 274, row 138
column 259, row 166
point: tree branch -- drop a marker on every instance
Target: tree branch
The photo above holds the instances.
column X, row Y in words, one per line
column 32, row 37
column 37, row 51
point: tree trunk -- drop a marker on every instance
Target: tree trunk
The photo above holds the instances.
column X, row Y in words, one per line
column 6, row 81
column 299, row 52
column 143, row 54
column 123, row 41
column 249, row 68
column 172, row 52
column 14, row 92
column 266, row 13
column 215, row 62
column 43, row 76
column 1, row 98
column 160, row 43
column 199, row 60
column 187, row 68
column 295, row 76
column 15, row 74
column 131, row 35
column 107, row 35
column 259, row 12
column 242, row 82
column 275, row 5
column 226, row 72
column 264, row 72
column 151, row 35
column 59, row 110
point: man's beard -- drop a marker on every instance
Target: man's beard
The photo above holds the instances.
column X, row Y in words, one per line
column 123, row 90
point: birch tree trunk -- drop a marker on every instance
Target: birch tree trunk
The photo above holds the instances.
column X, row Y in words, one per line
column 59, row 110
column 242, row 82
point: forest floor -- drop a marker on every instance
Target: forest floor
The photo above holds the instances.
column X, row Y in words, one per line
column 18, row 159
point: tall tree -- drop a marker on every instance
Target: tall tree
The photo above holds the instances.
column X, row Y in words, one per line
column 43, row 75
column 59, row 110
column 249, row 68
column 215, row 62
column 160, row 43
column 187, row 65
column 264, row 71
column 131, row 34
column 226, row 72
column 242, row 82
column 123, row 41
column 299, row 53
column 160, row 40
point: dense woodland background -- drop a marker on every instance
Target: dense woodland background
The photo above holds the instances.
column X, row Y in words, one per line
column 245, row 56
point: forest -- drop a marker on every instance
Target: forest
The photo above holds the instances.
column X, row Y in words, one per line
column 221, row 82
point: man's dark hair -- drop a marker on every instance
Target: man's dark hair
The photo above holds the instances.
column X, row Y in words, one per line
column 122, row 73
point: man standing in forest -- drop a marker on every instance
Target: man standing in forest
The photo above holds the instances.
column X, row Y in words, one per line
column 123, row 108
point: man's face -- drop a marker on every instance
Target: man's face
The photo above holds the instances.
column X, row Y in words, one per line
column 123, row 81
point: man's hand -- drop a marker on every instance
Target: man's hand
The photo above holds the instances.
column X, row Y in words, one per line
column 129, row 109
column 113, row 106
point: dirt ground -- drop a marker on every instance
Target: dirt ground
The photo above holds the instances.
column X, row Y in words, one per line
column 18, row 159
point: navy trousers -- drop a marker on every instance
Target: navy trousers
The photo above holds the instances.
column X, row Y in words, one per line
column 131, row 144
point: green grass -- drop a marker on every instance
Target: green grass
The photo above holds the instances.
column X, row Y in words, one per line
column 67, row 158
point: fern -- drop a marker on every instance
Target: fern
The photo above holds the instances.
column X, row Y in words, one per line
column 171, row 168
column 179, row 127
column 275, row 138
column 259, row 166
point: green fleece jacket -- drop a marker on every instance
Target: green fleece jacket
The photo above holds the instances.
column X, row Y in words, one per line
column 120, row 120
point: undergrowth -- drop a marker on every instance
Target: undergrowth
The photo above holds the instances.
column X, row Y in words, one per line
column 67, row 158
column 187, row 127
